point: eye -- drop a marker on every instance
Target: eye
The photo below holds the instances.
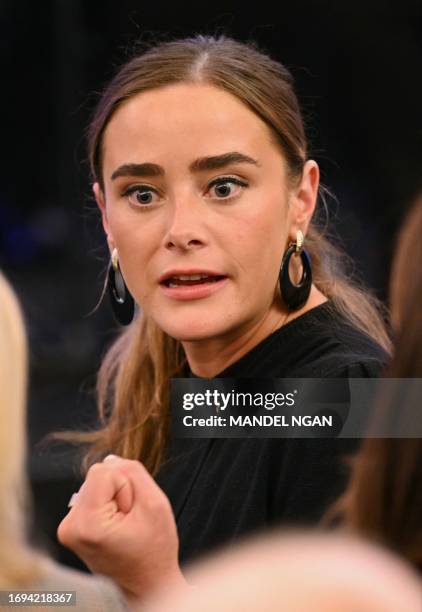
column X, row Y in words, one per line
column 140, row 195
column 227, row 187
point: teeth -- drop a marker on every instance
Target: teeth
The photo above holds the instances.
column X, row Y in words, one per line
column 175, row 281
column 190, row 277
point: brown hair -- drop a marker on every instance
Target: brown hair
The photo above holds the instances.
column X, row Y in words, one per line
column 133, row 382
column 384, row 497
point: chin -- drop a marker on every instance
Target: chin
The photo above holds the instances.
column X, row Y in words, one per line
column 190, row 335
column 191, row 330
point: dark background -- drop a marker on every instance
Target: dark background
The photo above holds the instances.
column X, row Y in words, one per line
column 358, row 74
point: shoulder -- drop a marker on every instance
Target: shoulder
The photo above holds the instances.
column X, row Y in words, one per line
column 322, row 344
column 93, row 593
column 350, row 351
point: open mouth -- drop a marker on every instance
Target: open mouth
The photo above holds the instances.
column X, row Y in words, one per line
column 192, row 280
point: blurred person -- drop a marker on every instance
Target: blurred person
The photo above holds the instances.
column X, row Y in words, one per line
column 21, row 567
column 201, row 172
column 384, row 498
column 297, row 572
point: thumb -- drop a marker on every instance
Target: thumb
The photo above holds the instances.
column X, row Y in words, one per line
column 123, row 496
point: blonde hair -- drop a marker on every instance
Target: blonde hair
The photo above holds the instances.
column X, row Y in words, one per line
column 18, row 564
column 133, row 382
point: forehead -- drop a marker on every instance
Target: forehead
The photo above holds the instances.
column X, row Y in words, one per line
column 184, row 120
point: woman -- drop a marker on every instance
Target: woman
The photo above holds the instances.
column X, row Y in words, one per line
column 21, row 568
column 384, row 499
column 200, row 167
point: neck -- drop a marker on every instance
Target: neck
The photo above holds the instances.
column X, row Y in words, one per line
column 210, row 356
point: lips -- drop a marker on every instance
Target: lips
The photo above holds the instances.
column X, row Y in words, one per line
column 194, row 291
column 190, row 277
column 178, row 282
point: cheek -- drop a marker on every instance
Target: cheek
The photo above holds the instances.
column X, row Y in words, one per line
column 262, row 238
column 118, row 220
column 128, row 231
column 135, row 247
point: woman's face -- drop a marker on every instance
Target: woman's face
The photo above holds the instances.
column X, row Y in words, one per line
column 193, row 182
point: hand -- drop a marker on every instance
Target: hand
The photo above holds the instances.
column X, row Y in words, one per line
column 121, row 524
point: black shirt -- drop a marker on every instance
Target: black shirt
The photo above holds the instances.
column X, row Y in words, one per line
column 221, row 489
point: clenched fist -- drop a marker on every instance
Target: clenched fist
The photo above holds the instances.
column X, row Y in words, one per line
column 121, row 524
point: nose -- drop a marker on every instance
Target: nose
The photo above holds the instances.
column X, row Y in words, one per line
column 185, row 228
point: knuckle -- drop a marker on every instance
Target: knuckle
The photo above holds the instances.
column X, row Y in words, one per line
column 66, row 531
column 129, row 463
column 95, row 469
column 77, row 531
column 158, row 505
column 130, row 468
column 63, row 532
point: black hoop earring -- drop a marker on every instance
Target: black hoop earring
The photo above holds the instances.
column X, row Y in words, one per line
column 121, row 301
column 295, row 296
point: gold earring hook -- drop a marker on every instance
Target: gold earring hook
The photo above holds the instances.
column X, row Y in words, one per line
column 299, row 241
column 115, row 259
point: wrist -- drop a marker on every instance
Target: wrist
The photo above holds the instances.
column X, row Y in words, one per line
column 143, row 588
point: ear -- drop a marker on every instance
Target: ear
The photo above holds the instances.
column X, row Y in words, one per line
column 305, row 198
column 100, row 199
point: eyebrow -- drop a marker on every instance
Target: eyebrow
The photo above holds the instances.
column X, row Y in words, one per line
column 214, row 162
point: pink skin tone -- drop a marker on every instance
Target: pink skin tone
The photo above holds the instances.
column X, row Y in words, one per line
column 183, row 222
column 188, row 224
column 121, row 524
